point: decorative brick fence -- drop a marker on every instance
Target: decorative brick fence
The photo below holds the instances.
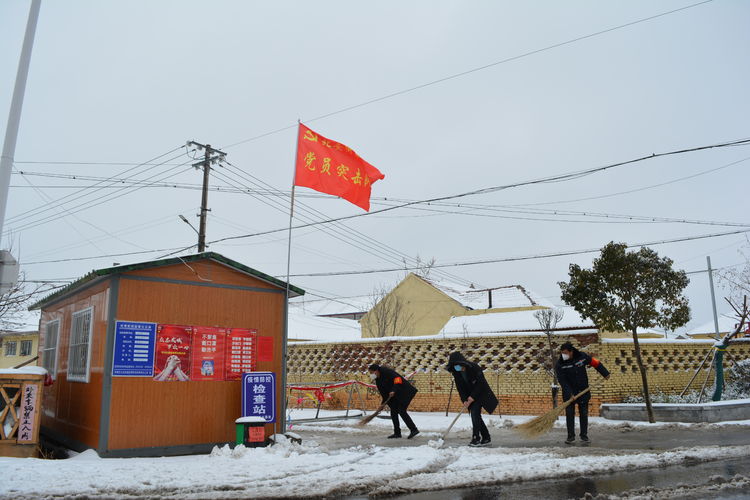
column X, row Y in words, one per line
column 514, row 367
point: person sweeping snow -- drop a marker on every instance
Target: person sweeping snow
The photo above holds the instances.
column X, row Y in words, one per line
column 475, row 393
column 571, row 374
column 397, row 392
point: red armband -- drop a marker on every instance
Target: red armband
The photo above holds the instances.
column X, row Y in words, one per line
column 398, row 380
column 595, row 362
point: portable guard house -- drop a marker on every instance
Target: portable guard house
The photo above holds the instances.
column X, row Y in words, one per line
column 156, row 391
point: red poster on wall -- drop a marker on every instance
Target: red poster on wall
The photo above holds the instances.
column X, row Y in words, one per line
column 172, row 361
column 241, row 352
column 265, row 348
column 208, row 353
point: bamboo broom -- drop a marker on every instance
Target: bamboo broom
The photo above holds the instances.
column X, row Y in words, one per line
column 374, row 414
column 544, row 423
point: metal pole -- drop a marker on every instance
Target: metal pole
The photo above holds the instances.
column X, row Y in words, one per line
column 16, row 103
column 450, row 395
column 713, row 297
column 204, row 200
column 288, row 271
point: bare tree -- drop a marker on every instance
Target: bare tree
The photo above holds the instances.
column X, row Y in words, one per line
column 548, row 319
column 421, row 268
column 737, row 279
column 388, row 315
column 14, row 302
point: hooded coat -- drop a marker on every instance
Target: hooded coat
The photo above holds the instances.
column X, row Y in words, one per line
column 390, row 381
column 471, row 382
column 571, row 373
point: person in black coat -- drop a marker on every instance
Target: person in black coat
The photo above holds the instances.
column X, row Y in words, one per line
column 475, row 393
column 571, row 374
column 392, row 385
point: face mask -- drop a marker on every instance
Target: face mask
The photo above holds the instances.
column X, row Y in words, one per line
column 457, row 368
column 565, row 357
column 373, row 376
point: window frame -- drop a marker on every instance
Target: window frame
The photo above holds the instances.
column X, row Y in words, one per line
column 46, row 349
column 25, row 342
column 9, row 343
column 80, row 377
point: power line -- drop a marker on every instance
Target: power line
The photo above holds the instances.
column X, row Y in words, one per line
column 347, row 233
column 544, row 180
column 77, row 195
column 527, row 257
column 473, row 70
column 101, row 199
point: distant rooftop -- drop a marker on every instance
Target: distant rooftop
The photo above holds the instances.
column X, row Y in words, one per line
column 503, row 297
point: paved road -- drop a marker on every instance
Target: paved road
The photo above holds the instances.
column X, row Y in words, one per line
column 603, row 439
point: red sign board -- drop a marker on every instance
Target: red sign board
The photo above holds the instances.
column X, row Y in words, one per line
column 172, row 353
column 208, row 353
column 241, row 352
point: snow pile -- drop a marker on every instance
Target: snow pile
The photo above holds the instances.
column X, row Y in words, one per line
column 289, row 470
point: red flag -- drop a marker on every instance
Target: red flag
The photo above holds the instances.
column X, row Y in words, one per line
column 331, row 167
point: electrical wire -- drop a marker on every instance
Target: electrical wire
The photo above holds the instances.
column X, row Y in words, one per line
column 345, row 232
column 102, row 199
column 80, row 192
column 528, row 257
column 473, row 70
column 493, row 189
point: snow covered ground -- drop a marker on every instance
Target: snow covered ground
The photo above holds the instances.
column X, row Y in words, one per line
column 319, row 468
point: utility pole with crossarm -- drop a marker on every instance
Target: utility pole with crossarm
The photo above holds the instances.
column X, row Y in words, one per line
column 211, row 155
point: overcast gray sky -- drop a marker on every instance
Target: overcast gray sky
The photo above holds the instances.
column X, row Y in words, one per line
column 125, row 82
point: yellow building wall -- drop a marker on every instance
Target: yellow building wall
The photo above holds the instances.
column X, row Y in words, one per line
column 429, row 308
column 12, row 361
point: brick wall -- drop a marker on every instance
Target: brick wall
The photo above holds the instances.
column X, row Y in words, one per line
column 514, row 368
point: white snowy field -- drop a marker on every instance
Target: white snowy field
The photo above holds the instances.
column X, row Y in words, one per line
column 315, row 469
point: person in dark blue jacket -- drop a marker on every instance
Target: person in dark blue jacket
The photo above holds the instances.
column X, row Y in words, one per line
column 398, row 393
column 475, row 393
column 571, row 374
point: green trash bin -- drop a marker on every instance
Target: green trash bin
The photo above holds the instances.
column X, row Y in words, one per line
column 250, row 431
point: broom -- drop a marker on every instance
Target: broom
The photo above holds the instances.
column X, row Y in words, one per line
column 374, row 414
column 544, row 423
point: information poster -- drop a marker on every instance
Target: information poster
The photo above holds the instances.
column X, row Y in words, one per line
column 259, row 395
column 173, row 344
column 28, row 414
column 134, row 349
column 208, row 353
column 241, row 352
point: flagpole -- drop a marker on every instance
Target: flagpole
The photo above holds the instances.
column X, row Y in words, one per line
column 286, row 303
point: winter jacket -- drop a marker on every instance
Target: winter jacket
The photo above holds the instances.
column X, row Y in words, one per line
column 571, row 373
column 471, row 382
column 390, row 381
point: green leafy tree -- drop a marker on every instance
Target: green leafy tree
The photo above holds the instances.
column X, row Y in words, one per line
column 625, row 291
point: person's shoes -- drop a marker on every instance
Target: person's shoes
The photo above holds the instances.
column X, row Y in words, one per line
column 570, row 440
column 413, row 433
column 485, row 442
column 585, row 439
column 474, row 442
column 395, row 435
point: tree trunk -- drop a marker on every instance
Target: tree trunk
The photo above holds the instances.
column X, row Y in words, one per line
column 555, row 385
column 646, row 394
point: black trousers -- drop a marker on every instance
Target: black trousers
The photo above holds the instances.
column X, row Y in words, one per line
column 399, row 410
column 478, row 429
column 583, row 416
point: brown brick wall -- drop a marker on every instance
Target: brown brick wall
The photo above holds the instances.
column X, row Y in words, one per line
column 513, row 367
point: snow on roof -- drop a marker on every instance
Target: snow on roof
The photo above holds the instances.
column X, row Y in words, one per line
column 305, row 327
column 517, row 321
column 24, row 370
column 502, row 296
column 327, row 307
column 726, row 324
